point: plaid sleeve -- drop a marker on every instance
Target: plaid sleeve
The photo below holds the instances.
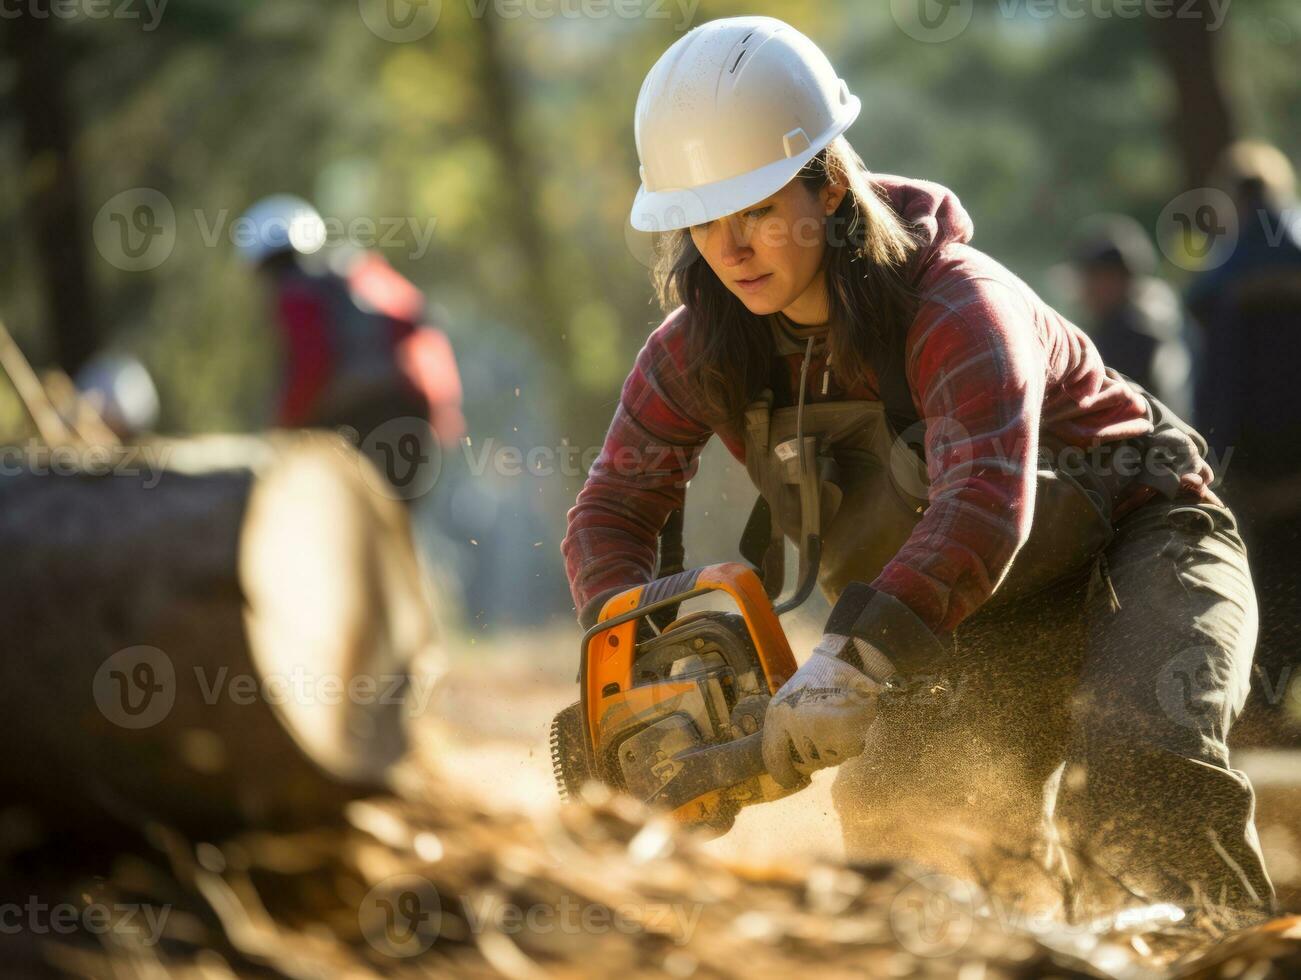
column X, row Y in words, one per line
column 651, row 450
column 977, row 372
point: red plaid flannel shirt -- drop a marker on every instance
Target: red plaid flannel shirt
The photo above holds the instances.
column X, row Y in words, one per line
column 983, row 352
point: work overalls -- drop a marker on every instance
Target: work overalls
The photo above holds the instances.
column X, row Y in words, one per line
column 1078, row 720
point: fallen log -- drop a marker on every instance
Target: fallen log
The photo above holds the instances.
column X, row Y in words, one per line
column 212, row 634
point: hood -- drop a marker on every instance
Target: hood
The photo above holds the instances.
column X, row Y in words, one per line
column 934, row 210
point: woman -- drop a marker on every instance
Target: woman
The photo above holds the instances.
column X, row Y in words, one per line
column 1056, row 592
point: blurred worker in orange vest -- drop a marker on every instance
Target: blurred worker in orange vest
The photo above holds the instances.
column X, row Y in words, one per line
column 359, row 351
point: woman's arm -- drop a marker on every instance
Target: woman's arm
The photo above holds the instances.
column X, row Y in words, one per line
column 650, row 452
column 977, row 371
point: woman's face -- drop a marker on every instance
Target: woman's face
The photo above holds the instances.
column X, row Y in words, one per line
column 770, row 254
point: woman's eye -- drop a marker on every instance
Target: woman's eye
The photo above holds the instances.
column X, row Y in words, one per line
column 758, row 212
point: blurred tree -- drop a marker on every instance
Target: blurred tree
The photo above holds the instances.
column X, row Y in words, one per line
column 51, row 181
column 505, row 135
column 1203, row 123
column 518, row 193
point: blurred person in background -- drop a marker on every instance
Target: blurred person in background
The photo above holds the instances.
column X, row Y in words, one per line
column 120, row 389
column 1249, row 406
column 361, row 357
column 359, row 350
column 1135, row 319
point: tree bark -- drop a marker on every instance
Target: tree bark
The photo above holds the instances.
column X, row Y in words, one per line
column 1203, row 122
column 51, row 183
column 521, row 191
column 232, row 640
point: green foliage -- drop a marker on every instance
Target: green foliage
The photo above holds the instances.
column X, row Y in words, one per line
column 1035, row 122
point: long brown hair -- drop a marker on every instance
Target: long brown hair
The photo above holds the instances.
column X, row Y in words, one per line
column 871, row 303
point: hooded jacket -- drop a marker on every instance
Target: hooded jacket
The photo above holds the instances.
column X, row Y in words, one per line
column 990, row 367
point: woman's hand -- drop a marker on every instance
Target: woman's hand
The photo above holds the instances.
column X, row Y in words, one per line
column 820, row 717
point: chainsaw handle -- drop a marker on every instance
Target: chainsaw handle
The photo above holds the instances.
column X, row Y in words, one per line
column 645, row 608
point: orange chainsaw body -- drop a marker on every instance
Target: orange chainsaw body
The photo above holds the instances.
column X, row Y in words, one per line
column 675, row 718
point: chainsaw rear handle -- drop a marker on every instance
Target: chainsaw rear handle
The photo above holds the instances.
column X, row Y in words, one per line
column 646, row 609
column 668, row 584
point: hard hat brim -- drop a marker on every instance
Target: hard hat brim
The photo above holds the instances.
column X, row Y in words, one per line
column 670, row 210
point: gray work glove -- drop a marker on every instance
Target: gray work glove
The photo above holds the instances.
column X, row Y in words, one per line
column 820, row 716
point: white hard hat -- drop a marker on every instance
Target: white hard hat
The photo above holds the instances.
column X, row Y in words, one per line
column 279, row 223
column 728, row 116
column 121, row 390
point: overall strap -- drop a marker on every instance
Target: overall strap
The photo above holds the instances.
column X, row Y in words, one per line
column 892, row 379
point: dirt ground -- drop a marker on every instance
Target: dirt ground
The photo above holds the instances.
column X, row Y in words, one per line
column 496, row 707
column 496, row 702
column 422, row 883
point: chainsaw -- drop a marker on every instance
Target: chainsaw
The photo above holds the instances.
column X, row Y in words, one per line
column 674, row 715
